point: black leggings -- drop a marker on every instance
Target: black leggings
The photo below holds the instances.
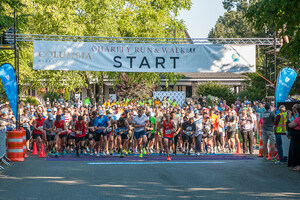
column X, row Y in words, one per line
column 247, row 135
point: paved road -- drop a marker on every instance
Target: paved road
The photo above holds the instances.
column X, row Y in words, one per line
column 222, row 179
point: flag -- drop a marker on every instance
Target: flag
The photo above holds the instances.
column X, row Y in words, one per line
column 9, row 81
column 285, row 81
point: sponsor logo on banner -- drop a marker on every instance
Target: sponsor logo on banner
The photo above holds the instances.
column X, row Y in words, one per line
column 235, row 57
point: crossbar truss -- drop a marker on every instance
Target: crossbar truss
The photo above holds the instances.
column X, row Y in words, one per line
column 239, row 41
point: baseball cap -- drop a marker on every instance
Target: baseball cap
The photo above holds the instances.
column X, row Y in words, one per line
column 49, row 110
column 74, row 116
column 196, row 111
column 50, row 116
column 109, row 115
column 100, row 112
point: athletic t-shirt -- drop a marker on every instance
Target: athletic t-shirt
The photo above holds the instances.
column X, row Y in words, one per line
column 139, row 121
column 101, row 122
column 268, row 120
column 153, row 120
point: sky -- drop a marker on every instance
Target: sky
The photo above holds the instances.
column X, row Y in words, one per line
column 202, row 17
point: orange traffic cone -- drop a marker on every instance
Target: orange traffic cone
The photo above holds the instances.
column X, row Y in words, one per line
column 42, row 153
column 34, row 151
column 260, row 145
column 238, row 148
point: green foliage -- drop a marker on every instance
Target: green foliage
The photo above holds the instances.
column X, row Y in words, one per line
column 67, row 95
column 217, row 90
column 51, row 96
column 282, row 17
column 209, row 102
column 32, row 101
column 234, row 24
column 116, row 18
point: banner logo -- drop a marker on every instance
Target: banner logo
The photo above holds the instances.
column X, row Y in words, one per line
column 287, row 79
column 235, row 57
column 7, row 77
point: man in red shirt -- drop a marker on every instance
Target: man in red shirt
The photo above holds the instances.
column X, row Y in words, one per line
column 38, row 130
column 167, row 127
column 79, row 129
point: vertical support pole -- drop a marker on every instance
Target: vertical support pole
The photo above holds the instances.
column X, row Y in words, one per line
column 17, row 69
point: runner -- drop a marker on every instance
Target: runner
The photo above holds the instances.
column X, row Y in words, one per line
column 79, row 129
column 140, row 135
column 100, row 125
column 122, row 128
column 188, row 129
column 71, row 136
column 59, row 126
column 92, row 135
column 167, row 127
column 110, row 134
column 48, row 127
column 38, row 130
column 177, row 123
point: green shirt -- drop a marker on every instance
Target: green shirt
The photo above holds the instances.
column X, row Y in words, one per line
column 87, row 101
column 174, row 103
column 170, row 103
column 153, row 120
column 150, row 102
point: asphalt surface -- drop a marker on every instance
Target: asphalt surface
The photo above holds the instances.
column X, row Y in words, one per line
column 37, row 178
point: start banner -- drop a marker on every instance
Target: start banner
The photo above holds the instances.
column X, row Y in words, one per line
column 143, row 57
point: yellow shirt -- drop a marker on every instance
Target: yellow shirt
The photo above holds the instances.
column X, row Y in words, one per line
column 156, row 103
column 107, row 104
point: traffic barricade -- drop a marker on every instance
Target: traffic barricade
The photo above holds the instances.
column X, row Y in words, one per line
column 15, row 146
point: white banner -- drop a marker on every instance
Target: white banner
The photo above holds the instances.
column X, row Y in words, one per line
column 179, row 96
column 140, row 57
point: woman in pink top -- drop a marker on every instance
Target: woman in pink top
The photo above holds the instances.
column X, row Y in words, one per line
column 294, row 151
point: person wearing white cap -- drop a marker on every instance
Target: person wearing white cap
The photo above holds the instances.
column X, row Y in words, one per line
column 100, row 125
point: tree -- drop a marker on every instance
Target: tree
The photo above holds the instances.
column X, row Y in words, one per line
column 217, row 90
column 117, row 18
column 283, row 18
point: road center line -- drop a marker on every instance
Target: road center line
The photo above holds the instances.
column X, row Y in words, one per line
column 150, row 163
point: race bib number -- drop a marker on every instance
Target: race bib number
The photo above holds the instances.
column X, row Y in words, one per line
column 59, row 130
column 188, row 132
column 25, row 125
column 247, row 126
column 41, row 127
column 168, row 132
column 79, row 132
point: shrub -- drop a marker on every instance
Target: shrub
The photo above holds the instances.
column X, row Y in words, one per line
column 51, row 96
column 217, row 90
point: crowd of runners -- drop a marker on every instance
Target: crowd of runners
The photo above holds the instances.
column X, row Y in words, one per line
column 143, row 127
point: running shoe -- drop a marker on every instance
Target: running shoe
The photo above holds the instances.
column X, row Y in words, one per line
column 111, row 153
column 97, row 154
column 265, row 159
column 197, row 154
column 144, row 151
column 104, row 153
column 56, row 154
column 122, row 155
column 168, row 159
column 141, row 155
